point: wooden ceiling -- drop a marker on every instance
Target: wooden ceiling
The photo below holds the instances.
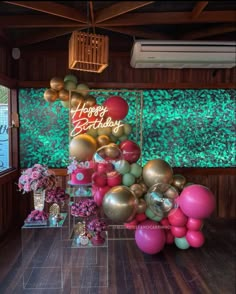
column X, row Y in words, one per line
column 47, row 24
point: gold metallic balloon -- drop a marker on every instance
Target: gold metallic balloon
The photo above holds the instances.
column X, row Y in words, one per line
column 90, row 101
column 120, row 204
column 157, row 171
column 104, row 131
column 92, row 132
column 63, row 95
column 50, row 95
column 57, row 83
column 144, row 187
column 179, row 181
column 76, row 99
column 112, row 151
column 82, row 147
column 103, row 140
column 166, row 190
column 142, row 206
column 137, row 190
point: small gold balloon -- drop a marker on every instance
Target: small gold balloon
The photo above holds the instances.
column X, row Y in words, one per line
column 120, row 204
column 144, row 187
column 76, row 99
column 118, row 133
column 103, row 140
column 157, row 171
column 83, row 89
column 142, row 206
column 90, row 101
column 82, row 147
column 104, row 131
column 50, row 95
column 92, row 132
column 179, row 181
column 127, row 129
column 63, row 95
column 57, row 83
column 112, row 151
column 137, row 190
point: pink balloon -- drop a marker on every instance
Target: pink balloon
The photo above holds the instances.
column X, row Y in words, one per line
column 194, row 224
column 149, row 237
column 114, row 179
column 178, row 232
column 117, row 107
column 99, row 179
column 140, row 217
column 130, row 150
column 169, row 237
column 177, row 218
column 165, row 223
column 197, row 201
column 105, row 167
column 195, row 238
column 99, row 194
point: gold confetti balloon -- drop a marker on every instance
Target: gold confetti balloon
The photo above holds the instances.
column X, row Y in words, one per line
column 82, row 147
column 120, row 204
column 57, row 83
column 50, row 95
column 157, row 171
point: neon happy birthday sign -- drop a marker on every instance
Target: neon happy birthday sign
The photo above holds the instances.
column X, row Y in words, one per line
column 100, row 120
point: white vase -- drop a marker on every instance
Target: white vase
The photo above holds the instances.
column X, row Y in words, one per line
column 39, row 198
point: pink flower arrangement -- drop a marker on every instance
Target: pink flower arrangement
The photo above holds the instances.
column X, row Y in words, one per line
column 97, row 225
column 84, row 208
column 56, row 195
column 36, row 178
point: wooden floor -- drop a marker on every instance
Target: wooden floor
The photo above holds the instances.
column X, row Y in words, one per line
column 210, row 269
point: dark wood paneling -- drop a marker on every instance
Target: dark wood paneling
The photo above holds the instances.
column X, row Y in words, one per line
column 41, row 66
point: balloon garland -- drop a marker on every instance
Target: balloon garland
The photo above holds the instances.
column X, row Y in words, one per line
column 162, row 207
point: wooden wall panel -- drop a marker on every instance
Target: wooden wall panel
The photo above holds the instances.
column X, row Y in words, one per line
column 43, row 65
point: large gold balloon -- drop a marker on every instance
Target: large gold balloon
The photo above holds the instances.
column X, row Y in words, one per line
column 57, row 83
column 63, row 95
column 142, row 206
column 50, row 95
column 137, row 190
column 120, row 204
column 157, row 171
column 179, row 181
column 103, row 140
column 90, row 101
column 82, row 147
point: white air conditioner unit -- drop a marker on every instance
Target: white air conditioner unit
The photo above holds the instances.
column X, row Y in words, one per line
column 183, row 54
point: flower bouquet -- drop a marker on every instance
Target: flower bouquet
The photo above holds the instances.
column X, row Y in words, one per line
column 97, row 226
column 36, row 178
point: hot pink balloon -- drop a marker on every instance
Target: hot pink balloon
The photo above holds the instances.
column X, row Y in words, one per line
column 117, row 107
column 178, row 232
column 114, row 179
column 99, row 179
column 195, row 238
column 149, row 237
column 130, row 150
column 194, row 224
column 197, row 201
column 177, row 218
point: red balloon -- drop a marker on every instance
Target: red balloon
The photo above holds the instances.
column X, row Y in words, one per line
column 99, row 194
column 165, row 222
column 114, row 179
column 117, row 107
column 177, row 218
column 105, row 167
column 130, row 150
column 195, row 238
column 194, row 224
column 99, row 179
column 178, row 232
column 140, row 217
column 169, row 237
column 131, row 225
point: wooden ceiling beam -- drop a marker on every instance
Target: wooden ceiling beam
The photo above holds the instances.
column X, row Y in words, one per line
column 119, row 8
column 198, row 8
column 208, row 32
column 36, row 21
column 52, row 8
column 92, row 15
column 134, row 32
column 146, row 18
column 44, row 36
